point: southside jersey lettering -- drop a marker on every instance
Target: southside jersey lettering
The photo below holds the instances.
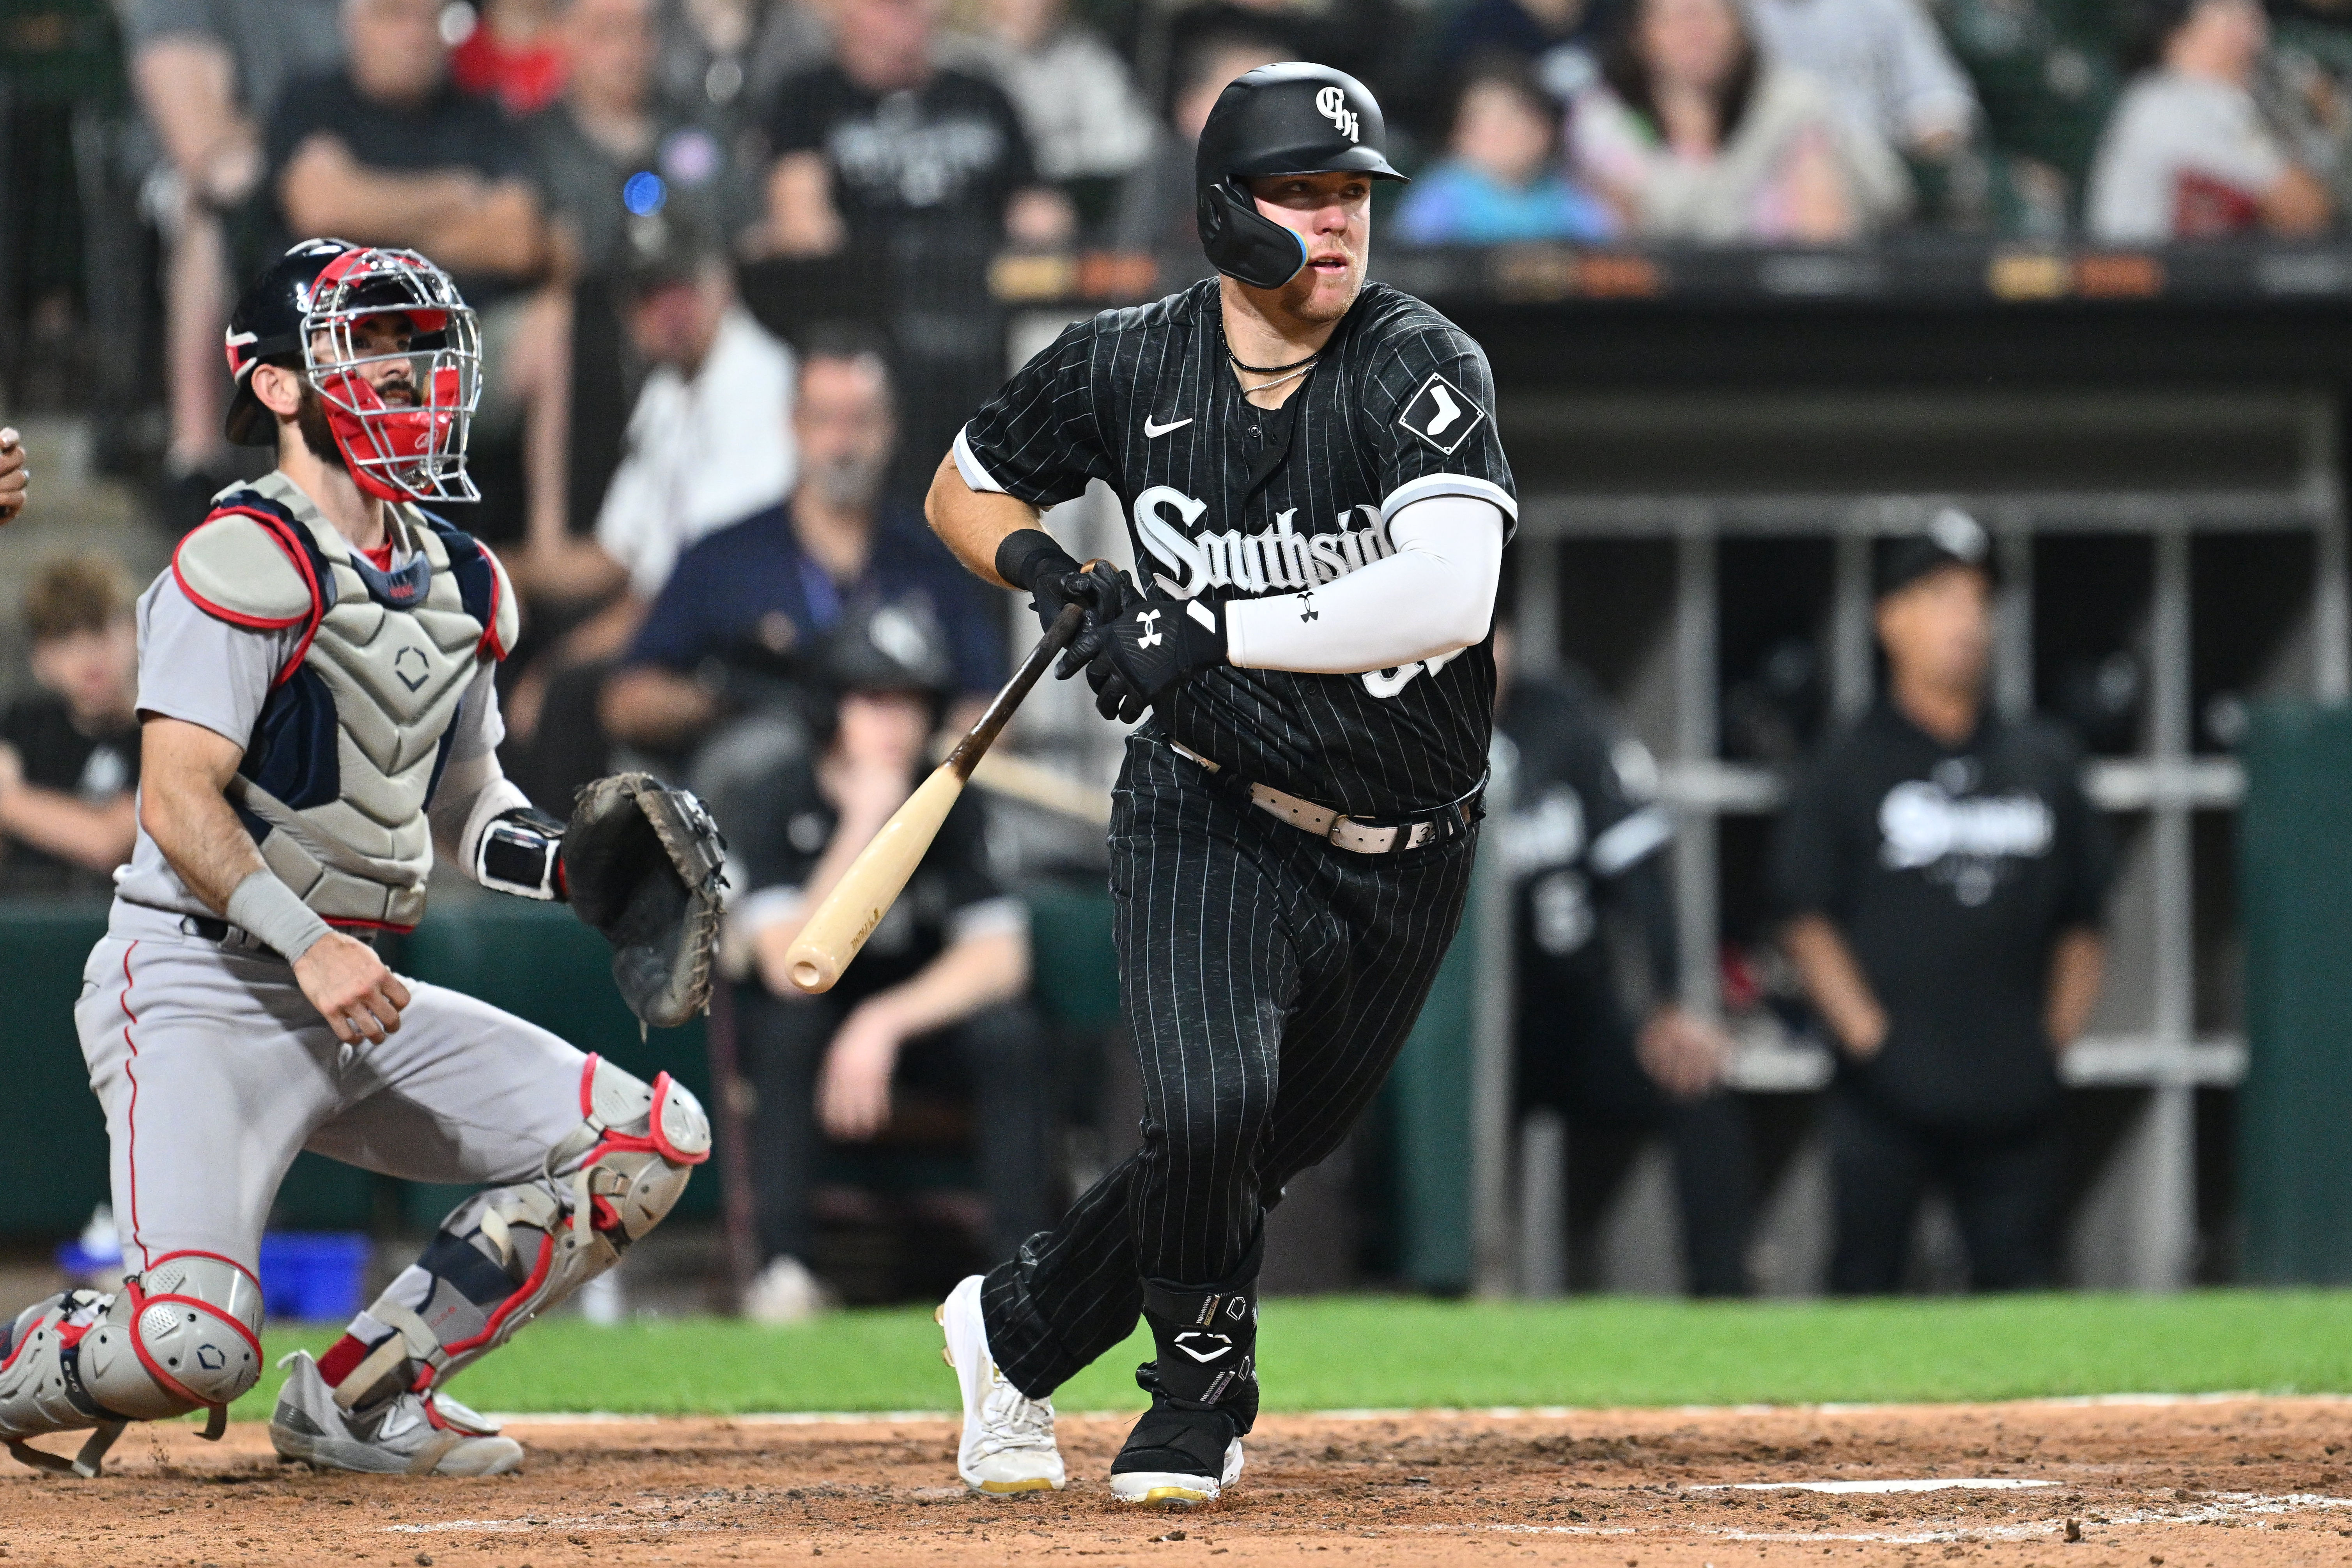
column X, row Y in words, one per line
column 1226, row 500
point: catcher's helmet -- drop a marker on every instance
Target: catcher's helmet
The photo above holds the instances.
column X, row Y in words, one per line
column 301, row 312
column 1290, row 119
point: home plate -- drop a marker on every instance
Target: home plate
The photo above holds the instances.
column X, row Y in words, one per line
column 1956, row 1483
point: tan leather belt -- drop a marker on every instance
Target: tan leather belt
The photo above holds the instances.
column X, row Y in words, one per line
column 1343, row 832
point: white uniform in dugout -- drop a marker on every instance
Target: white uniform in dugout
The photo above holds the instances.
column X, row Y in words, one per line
column 344, row 689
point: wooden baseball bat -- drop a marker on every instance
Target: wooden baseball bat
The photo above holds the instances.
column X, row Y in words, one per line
column 857, row 903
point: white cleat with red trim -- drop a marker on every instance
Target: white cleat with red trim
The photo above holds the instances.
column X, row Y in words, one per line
column 414, row 1435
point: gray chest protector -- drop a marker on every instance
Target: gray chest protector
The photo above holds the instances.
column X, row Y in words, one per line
column 382, row 662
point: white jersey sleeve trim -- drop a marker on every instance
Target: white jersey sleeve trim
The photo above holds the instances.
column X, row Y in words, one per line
column 975, row 473
column 1429, row 485
column 1434, row 596
column 1630, row 841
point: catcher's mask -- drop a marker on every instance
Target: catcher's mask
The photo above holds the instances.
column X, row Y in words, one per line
column 362, row 323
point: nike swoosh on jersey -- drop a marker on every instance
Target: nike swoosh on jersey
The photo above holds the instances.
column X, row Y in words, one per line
column 1152, row 431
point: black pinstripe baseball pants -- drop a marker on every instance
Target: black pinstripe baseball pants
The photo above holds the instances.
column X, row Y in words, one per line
column 1268, row 980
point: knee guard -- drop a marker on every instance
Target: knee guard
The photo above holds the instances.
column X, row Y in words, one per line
column 184, row 1335
column 505, row 1256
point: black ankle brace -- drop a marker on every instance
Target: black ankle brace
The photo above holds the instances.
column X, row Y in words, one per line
column 1207, row 1339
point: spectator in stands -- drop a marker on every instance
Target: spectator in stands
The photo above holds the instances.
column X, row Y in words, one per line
column 1585, row 842
column 1698, row 137
column 1883, row 64
column 1087, row 125
column 710, row 441
column 2189, row 154
column 1156, row 206
column 1501, row 178
column 388, row 152
column 750, row 599
column 915, row 175
column 1943, row 876
column 609, row 130
column 209, row 73
column 1369, row 39
column 514, row 53
column 1557, row 38
column 69, row 757
column 935, row 997
column 723, row 60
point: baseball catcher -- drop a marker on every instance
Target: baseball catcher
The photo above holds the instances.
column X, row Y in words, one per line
column 318, row 714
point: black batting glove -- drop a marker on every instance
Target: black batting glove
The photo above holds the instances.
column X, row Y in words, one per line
column 1154, row 647
column 1030, row 559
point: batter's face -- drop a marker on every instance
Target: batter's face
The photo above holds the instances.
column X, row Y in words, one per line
column 1333, row 213
column 1937, row 630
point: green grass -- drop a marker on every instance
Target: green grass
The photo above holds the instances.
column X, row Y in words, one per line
column 1389, row 1352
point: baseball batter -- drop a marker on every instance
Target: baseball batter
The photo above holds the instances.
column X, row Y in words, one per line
column 1318, row 502
column 315, row 691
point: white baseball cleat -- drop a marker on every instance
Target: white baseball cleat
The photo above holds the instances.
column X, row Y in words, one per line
column 1176, row 1489
column 416, row 1435
column 1008, row 1437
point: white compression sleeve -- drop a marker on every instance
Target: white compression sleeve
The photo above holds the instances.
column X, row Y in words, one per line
column 1434, row 595
column 473, row 794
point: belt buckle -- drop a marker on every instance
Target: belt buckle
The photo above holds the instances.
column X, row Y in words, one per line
column 1331, row 834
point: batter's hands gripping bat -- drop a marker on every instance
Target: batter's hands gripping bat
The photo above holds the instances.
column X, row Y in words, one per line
column 857, row 903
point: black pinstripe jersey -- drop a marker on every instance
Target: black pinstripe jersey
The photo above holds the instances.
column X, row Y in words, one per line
column 1399, row 408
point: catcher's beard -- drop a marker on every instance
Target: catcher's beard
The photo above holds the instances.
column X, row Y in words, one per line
column 311, row 420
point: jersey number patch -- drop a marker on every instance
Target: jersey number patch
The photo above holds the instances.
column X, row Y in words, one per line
column 1442, row 414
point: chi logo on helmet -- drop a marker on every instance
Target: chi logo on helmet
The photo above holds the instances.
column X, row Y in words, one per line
column 1331, row 103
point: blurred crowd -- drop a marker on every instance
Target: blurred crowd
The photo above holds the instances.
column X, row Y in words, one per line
column 736, row 266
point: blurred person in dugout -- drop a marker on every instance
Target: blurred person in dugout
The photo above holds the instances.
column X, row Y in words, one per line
column 388, row 152
column 731, row 632
column 713, row 439
column 934, row 1004
column 1943, row 877
column 1585, row 844
column 70, row 755
column 208, row 75
column 2190, row 151
column 1695, row 134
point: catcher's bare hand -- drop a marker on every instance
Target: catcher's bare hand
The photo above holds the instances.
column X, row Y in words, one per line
column 12, row 476
column 352, row 988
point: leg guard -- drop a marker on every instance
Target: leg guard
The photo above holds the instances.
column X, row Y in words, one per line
column 182, row 1336
column 505, row 1256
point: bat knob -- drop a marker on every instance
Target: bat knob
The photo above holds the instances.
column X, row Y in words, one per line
column 810, row 976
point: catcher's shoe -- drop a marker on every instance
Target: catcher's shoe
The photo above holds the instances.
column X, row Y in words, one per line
column 416, row 1435
column 1008, row 1437
column 1178, row 1456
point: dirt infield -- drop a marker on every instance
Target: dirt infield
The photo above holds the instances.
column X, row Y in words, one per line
column 2220, row 1483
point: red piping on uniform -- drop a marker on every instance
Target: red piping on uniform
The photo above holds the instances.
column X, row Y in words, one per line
column 588, row 1077
column 131, row 1116
column 490, row 622
column 342, row 925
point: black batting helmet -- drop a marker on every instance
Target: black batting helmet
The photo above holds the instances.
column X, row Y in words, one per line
column 1295, row 117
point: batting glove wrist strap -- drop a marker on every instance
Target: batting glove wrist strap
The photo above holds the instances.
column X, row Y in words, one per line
column 521, row 853
column 1029, row 554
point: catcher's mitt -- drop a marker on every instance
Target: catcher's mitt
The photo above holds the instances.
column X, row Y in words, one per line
column 642, row 863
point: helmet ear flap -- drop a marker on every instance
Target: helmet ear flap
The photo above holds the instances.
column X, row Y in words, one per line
column 1244, row 243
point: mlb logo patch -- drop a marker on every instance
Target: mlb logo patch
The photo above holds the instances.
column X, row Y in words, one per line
column 1442, row 414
